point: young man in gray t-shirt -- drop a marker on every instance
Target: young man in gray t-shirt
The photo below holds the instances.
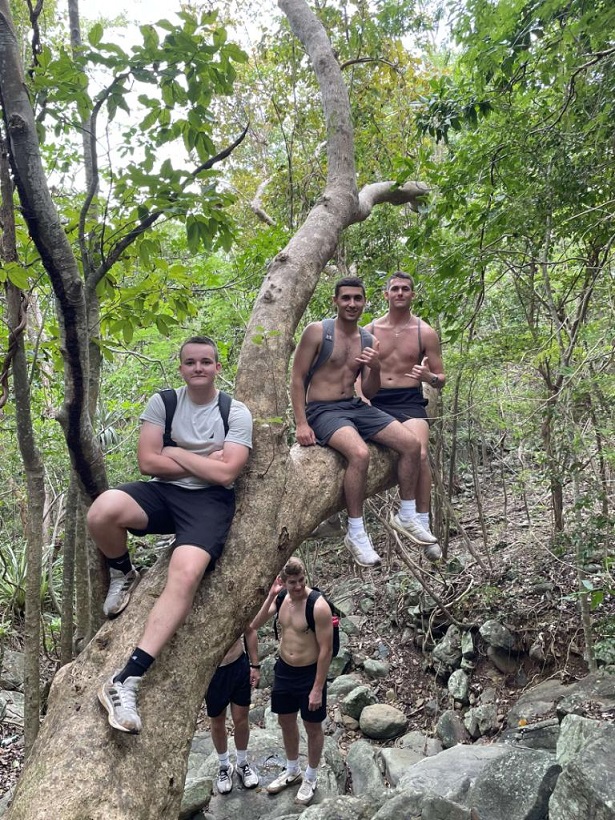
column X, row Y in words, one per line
column 190, row 494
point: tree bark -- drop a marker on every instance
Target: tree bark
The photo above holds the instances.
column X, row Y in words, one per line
column 282, row 496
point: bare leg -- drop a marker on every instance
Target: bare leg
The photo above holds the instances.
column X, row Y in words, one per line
column 218, row 733
column 186, row 568
column 109, row 518
column 420, row 428
column 349, row 443
column 241, row 724
column 290, row 735
column 404, row 442
column 315, row 742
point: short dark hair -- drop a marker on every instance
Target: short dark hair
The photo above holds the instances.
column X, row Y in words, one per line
column 199, row 340
column 349, row 282
column 294, row 566
column 399, row 274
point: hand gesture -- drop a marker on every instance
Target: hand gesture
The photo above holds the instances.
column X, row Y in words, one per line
column 421, row 371
column 370, row 356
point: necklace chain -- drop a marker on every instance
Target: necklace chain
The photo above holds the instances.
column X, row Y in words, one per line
column 403, row 327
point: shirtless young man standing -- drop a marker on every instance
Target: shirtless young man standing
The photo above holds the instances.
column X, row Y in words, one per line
column 409, row 355
column 328, row 413
column 300, row 675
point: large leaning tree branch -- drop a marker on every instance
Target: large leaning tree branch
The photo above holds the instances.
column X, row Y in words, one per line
column 284, row 493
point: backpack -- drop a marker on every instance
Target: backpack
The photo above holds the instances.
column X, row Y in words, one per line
column 326, row 348
column 314, row 595
column 169, row 397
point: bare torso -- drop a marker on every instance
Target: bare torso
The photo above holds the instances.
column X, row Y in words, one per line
column 335, row 379
column 399, row 350
column 234, row 652
column 298, row 645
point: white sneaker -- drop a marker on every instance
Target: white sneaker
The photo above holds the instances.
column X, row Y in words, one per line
column 120, row 590
column 285, row 779
column 432, row 552
column 120, row 701
column 306, row 792
column 361, row 549
column 224, row 781
column 413, row 528
column 247, row 775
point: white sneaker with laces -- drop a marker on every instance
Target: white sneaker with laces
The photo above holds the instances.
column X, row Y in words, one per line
column 247, row 775
column 359, row 545
column 120, row 701
column 224, row 781
column 413, row 528
column 120, row 589
column 306, row 792
column 284, row 780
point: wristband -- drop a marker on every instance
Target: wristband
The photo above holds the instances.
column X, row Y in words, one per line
column 255, row 666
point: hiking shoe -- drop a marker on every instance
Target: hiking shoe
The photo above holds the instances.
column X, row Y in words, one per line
column 224, row 781
column 120, row 589
column 413, row 529
column 285, row 779
column 432, row 552
column 247, row 775
column 361, row 549
column 120, row 701
column 306, row 792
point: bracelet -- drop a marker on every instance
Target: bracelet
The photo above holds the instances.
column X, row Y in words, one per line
column 255, row 666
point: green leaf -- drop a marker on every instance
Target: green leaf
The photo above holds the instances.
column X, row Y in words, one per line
column 95, row 34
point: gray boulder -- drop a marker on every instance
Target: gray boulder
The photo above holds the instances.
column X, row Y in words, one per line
column 382, row 722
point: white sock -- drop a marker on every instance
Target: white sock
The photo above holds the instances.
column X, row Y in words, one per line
column 223, row 760
column 310, row 774
column 407, row 509
column 292, row 766
column 355, row 525
column 242, row 756
column 424, row 519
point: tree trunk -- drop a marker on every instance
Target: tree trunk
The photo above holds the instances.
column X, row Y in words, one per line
column 282, row 496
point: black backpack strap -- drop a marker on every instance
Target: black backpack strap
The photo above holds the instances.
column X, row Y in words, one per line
column 326, row 349
column 169, row 397
column 367, row 338
column 418, row 332
column 278, row 603
column 224, row 406
column 314, row 595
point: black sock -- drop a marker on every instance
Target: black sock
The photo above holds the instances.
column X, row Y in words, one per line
column 123, row 563
column 136, row 667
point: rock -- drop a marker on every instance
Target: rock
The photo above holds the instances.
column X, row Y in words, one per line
column 12, row 672
column 341, row 686
column 417, row 741
column 576, row 732
column 450, row 729
column 355, row 701
column 382, row 722
column 396, row 762
column 503, row 661
column 448, row 650
column 481, row 720
column 497, row 635
column 516, row 786
column 365, row 772
column 376, row 669
column 541, row 735
column 459, row 685
column 197, row 794
column 338, row 808
column 12, row 707
column 467, row 645
column 584, row 790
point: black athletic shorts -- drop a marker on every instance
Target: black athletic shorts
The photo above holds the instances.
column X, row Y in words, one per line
column 402, row 403
column 326, row 417
column 291, row 688
column 200, row 518
column 230, row 684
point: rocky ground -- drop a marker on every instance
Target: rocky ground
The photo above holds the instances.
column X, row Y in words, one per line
column 523, row 582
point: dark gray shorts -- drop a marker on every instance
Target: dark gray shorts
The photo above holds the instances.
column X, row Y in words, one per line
column 325, row 417
column 200, row 518
column 402, row 403
column 291, row 691
column 230, row 684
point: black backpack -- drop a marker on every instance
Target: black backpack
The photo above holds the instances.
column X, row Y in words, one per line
column 169, row 397
column 314, row 595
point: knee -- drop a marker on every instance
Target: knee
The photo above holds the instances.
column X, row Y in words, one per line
column 313, row 730
column 358, row 457
column 104, row 510
column 183, row 580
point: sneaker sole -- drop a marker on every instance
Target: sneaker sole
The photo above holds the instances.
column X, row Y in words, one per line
column 283, row 786
column 436, row 553
column 362, row 563
column 115, row 612
column 413, row 538
column 106, row 702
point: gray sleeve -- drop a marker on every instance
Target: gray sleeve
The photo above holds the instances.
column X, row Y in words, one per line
column 154, row 411
column 239, row 424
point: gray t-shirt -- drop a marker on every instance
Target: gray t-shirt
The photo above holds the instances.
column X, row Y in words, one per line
column 199, row 428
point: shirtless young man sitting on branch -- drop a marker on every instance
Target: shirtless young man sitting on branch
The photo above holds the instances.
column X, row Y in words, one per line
column 410, row 355
column 327, row 412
